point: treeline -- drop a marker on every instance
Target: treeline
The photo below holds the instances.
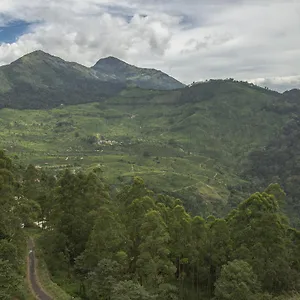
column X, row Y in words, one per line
column 132, row 243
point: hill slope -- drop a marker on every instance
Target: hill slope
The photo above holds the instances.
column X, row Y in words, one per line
column 120, row 71
column 279, row 160
column 191, row 142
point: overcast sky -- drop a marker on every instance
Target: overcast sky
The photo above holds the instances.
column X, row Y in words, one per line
column 192, row 40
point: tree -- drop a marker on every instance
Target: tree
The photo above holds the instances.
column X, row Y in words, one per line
column 130, row 290
column 9, row 219
column 259, row 231
column 136, row 190
column 218, row 249
column 107, row 237
column 179, row 227
column 237, row 282
column 102, row 280
column 77, row 199
column 154, row 267
column 133, row 220
column 9, row 281
column 197, row 251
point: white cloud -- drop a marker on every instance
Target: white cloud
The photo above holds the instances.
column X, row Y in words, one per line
column 191, row 40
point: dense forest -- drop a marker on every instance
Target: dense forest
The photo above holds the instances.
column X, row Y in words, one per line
column 132, row 243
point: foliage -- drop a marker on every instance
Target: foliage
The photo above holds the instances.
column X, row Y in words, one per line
column 237, row 282
column 15, row 211
column 146, row 244
column 279, row 161
column 129, row 290
column 138, row 244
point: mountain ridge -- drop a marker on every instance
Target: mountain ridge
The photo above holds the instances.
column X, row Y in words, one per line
column 133, row 75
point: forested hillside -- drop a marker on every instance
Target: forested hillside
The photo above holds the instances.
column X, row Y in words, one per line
column 278, row 160
column 193, row 143
column 134, row 243
column 147, row 193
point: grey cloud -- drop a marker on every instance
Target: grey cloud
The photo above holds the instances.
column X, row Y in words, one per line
column 191, row 40
column 278, row 83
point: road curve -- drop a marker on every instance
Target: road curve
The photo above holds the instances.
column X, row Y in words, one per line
column 36, row 288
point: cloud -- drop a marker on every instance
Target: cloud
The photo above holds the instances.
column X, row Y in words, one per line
column 279, row 83
column 191, row 40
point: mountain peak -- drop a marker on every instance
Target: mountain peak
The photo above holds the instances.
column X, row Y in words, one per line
column 111, row 63
column 121, row 71
column 39, row 53
column 110, row 60
column 37, row 56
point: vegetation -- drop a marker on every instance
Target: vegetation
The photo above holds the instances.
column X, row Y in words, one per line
column 16, row 209
column 279, row 159
column 139, row 244
column 190, row 143
column 184, row 231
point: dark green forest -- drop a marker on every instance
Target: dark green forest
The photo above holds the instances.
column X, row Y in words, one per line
column 132, row 243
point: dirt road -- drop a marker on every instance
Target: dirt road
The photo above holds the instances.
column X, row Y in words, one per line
column 39, row 293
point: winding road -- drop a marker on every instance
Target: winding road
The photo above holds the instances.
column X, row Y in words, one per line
column 36, row 288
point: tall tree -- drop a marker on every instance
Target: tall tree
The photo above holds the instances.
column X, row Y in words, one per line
column 77, row 199
column 154, row 267
column 259, row 232
column 218, row 249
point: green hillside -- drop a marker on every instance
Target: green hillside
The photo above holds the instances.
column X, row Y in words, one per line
column 279, row 160
column 190, row 143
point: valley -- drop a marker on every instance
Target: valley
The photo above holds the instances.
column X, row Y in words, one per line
column 192, row 142
column 144, row 186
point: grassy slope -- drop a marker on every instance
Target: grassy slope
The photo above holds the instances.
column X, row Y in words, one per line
column 174, row 140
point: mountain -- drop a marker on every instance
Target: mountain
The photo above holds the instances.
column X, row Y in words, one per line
column 39, row 80
column 118, row 70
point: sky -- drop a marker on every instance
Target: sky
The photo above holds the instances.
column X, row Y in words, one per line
column 191, row 40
